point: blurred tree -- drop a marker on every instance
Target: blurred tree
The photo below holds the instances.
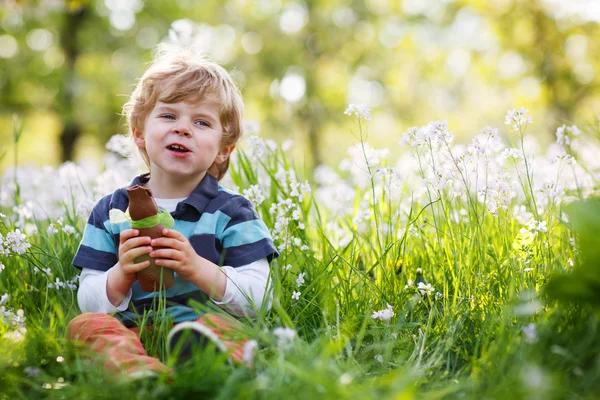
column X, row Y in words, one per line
column 558, row 51
column 299, row 63
column 72, row 22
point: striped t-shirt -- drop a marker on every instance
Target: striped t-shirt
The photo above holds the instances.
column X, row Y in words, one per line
column 222, row 227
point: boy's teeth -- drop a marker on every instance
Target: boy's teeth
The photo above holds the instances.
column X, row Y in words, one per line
column 177, row 147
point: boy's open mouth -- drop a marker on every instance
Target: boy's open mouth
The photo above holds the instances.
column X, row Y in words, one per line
column 177, row 148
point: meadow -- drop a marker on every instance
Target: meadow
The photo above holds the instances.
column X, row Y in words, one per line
column 456, row 271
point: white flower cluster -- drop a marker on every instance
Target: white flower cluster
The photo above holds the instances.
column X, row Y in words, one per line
column 300, row 279
column 486, row 144
column 536, row 226
column 359, row 111
column 285, row 212
column 254, row 194
column 512, row 153
column 518, row 119
column 363, row 161
column 384, row 315
column 53, row 228
column 425, row 289
column 285, row 337
column 70, row 284
column 14, row 242
column 121, row 145
column 250, row 351
column 257, row 148
column 566, row 135
column 299, row 189
column 46, row 191
column 530, row 333
column 433, row 134
column 498, row 194
column 14, row 320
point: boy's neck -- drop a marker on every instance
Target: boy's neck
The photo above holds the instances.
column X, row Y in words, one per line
column 164, row 187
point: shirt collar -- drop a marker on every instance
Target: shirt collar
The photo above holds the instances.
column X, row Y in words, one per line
column 207, row 189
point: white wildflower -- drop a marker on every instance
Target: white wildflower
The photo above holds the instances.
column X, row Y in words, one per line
column 4, row 298
column 296, row 214
column 384, row 315
column 68, row 229
column 518, row 119
column 295, row 295
column 511, row 153
column 565, row 135
column 409, row 284
column 285, row 337
column 2, row 267
column 300, row 279
column 530, row 333
column 16, row 242
column 439, row 130
column 359, row 111
column 254, row 195
column 121, row 145
column 249, row 351
column 539, row 226
column 425, row 289
column 379, row 358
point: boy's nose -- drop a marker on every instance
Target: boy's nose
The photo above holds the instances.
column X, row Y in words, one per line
column 182, row 128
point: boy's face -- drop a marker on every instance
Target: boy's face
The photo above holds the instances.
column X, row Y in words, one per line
column 183, row 140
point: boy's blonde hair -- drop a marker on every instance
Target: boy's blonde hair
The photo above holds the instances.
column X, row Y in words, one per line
column 176, row 74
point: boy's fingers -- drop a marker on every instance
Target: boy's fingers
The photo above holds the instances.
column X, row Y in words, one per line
column 140, row 266
column 166, row 242
column 136, row 242
column 165, row 262
column 173, row 234
column 128, row 233
column 166, row 253
column 138, row 251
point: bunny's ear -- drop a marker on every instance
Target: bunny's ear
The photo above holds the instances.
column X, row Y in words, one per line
column 117, row 216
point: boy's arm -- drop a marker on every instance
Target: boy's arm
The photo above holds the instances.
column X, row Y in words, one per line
column 93, row 295
column 246, row 287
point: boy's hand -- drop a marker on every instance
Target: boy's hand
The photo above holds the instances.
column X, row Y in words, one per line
column 178, row 254
column 122, row 275
column 131, row 246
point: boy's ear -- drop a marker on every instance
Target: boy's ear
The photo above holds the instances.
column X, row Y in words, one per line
column 224, row 154
column 138, row 138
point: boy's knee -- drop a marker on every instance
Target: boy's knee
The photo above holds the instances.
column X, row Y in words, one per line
column 81, row 323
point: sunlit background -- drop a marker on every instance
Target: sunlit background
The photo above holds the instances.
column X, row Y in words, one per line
column 67, row 67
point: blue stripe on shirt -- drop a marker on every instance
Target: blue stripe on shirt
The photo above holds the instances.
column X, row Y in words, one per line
column 244, row 233
column 98, row 239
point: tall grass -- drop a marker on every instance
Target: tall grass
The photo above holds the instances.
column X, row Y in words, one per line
column 436, row 238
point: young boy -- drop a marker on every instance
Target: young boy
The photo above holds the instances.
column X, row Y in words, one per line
column 185, row 117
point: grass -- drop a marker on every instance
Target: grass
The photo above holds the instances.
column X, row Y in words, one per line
column 363, row 241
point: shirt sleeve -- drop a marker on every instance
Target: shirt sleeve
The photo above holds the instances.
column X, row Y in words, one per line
column 92, row 296
column 246, row 289
column 246, row 238
column 97, row 249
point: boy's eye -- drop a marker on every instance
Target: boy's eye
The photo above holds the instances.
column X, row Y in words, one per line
column 168, row 116
column 202, row 122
